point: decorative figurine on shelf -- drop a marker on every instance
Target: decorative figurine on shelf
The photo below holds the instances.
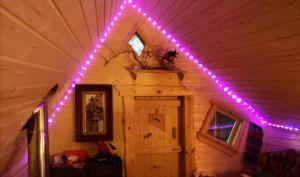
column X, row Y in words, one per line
column 168, row 60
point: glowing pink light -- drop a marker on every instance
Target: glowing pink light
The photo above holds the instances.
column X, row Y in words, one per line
column 77, row 80
column 61, row 103
column 91, row 56
column 169, row 36
column 84, row 68
column 57, row 108
column 102, row 40
column 50, row 120
column 226, row 89
column 73, row 85
column 149, row 19
column 229, row 93
column 65, row 97
column 238, row 100
column 154, row 23
column 234, row 96
column 88, row 62
column 95, row 50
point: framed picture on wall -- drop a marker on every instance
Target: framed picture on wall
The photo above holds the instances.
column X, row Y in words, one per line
column 93, row 107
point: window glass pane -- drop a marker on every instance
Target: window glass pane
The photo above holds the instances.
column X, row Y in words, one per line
column 137, row 45
column 221, row 127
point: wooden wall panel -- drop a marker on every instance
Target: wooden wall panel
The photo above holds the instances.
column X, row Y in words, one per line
column 89, row 10
column 62, row 130
column 72, row 13
column 21, row 44
column 245, row 25
column 275, row 140
column 253, row 45
column 46, row 20
column 12, row 140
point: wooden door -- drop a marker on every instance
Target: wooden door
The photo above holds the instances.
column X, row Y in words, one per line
column 158, row 141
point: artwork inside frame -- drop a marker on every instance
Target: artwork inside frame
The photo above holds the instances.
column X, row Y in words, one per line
column 93, row 107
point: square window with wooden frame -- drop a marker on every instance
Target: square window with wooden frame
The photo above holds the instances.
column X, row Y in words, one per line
column 222, row 128
column 137, row 43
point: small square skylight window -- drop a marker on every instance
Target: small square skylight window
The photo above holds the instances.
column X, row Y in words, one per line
column 221, row 127
column 137, row 44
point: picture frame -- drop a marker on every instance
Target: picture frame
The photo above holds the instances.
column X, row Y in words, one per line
column 93, row 110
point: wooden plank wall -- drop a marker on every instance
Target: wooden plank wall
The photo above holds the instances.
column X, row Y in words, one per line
column 252, row 44
column 208, row 160
column 275, row 140
column 42, row 43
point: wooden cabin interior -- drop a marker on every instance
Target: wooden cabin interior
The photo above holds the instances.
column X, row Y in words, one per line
column 150, row 88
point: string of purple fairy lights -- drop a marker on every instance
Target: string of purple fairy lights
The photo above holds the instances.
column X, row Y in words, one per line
column 180, row 47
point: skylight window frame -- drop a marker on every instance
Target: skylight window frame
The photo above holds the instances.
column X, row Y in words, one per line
column 141, row 39
column 235, row 138
column 137, row 30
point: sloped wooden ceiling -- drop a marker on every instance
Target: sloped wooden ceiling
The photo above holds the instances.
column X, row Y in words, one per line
column 253, row 45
